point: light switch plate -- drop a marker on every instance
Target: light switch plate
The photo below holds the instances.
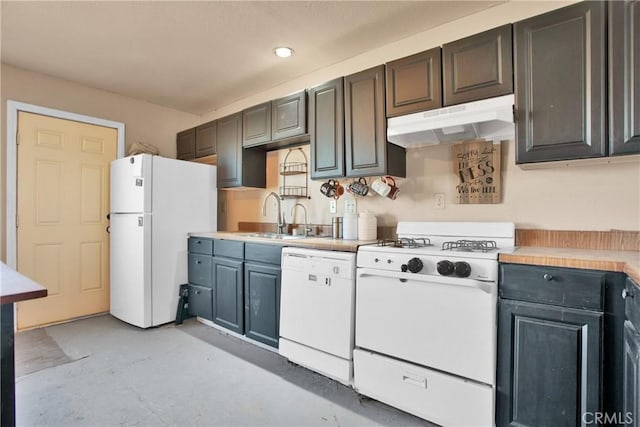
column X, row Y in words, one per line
column 349, row 205
column 333, row 206
column 439, row 201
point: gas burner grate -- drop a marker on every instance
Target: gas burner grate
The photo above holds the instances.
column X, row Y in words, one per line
column 405, row 242
column 470, row 245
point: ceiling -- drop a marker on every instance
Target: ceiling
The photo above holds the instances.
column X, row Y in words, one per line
column 198, row 56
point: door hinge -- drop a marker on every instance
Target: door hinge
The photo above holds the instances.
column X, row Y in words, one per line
column 18, row 138
column 140, row 221
column 17, row 221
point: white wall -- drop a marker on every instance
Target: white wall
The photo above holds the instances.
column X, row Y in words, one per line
column 144, row 121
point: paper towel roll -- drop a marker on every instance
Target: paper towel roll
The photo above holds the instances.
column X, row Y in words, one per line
column 367, row 226
column 350, row 226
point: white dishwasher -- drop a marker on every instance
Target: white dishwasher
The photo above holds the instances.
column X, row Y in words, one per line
column 317, row 311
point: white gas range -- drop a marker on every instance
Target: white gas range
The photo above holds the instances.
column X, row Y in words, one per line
column 426, row 319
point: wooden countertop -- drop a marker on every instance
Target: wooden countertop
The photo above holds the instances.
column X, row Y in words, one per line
column 15, row 287
column 593, row 259
column 326, row 243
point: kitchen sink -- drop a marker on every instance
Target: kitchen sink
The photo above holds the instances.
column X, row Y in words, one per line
column 275, row 236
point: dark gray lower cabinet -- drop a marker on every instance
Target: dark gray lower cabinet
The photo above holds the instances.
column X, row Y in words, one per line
column 228, row 293
column 199, row 274
column 262, row 302
column 200, row 301
column 631, row 365
column 548, row 364
column 631, row 406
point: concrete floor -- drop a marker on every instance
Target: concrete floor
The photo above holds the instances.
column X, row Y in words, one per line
column 117, row 374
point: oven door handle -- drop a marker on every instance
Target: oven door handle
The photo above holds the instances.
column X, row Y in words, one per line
column 487, row 287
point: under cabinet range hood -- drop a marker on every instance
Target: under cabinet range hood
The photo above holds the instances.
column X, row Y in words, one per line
column 486, row 119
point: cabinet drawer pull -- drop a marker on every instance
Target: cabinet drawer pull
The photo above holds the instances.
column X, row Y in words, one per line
column 419, row 382
column 627, row 294
column 547, row 277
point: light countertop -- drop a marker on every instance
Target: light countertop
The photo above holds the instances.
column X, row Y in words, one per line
column 326, row 243
column 622, row 261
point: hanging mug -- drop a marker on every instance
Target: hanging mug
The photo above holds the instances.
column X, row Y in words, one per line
column 359, row 187
column 339, row 189
column 386, row 187
column 328, row 188
column 332, row 188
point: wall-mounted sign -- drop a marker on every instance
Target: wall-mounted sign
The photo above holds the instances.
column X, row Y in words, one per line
column 477, row 166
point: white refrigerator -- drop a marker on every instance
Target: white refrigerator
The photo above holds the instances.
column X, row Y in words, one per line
column 155, row 203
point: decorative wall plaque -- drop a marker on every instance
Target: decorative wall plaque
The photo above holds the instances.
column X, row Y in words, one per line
column 477, row 166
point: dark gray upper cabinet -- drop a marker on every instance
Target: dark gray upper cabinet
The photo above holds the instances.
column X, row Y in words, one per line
column 238, row 166
column 367, row 151
column 186, row 144
column 256, row 125
column 206, row 139
column 560, row 70
column 289, row 116
column 478, row 67
column 276, row 124
column 624, row 81
column 326, row 128
column 414, row 83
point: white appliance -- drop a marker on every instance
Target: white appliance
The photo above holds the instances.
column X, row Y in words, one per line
column 426, row 320
column 490, row 118
column 317, row 311
column 155, row 202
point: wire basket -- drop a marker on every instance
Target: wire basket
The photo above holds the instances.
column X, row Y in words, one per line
column 293, row 168
column 293, row 191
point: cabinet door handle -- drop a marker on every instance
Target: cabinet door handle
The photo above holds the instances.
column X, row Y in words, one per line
column 198, row 262
column 627, row 294
column 547, row 277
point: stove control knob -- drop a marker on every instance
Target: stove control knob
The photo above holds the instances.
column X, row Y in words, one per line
column 462, row 269
column 414, row 265
column 445, row 267
column 376, row 260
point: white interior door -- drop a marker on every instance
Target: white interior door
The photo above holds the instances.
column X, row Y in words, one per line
column 62, row 203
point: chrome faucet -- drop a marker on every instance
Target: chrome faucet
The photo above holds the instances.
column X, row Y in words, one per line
column 307, row 229
column 282, row 225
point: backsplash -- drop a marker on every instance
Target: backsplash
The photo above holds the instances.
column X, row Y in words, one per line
column 586, row 197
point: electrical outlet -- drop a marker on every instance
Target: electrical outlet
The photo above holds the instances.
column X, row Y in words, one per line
column 333, row 206
column 439, row 201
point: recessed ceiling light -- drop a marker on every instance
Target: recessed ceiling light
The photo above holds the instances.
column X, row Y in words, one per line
column 283, row 52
